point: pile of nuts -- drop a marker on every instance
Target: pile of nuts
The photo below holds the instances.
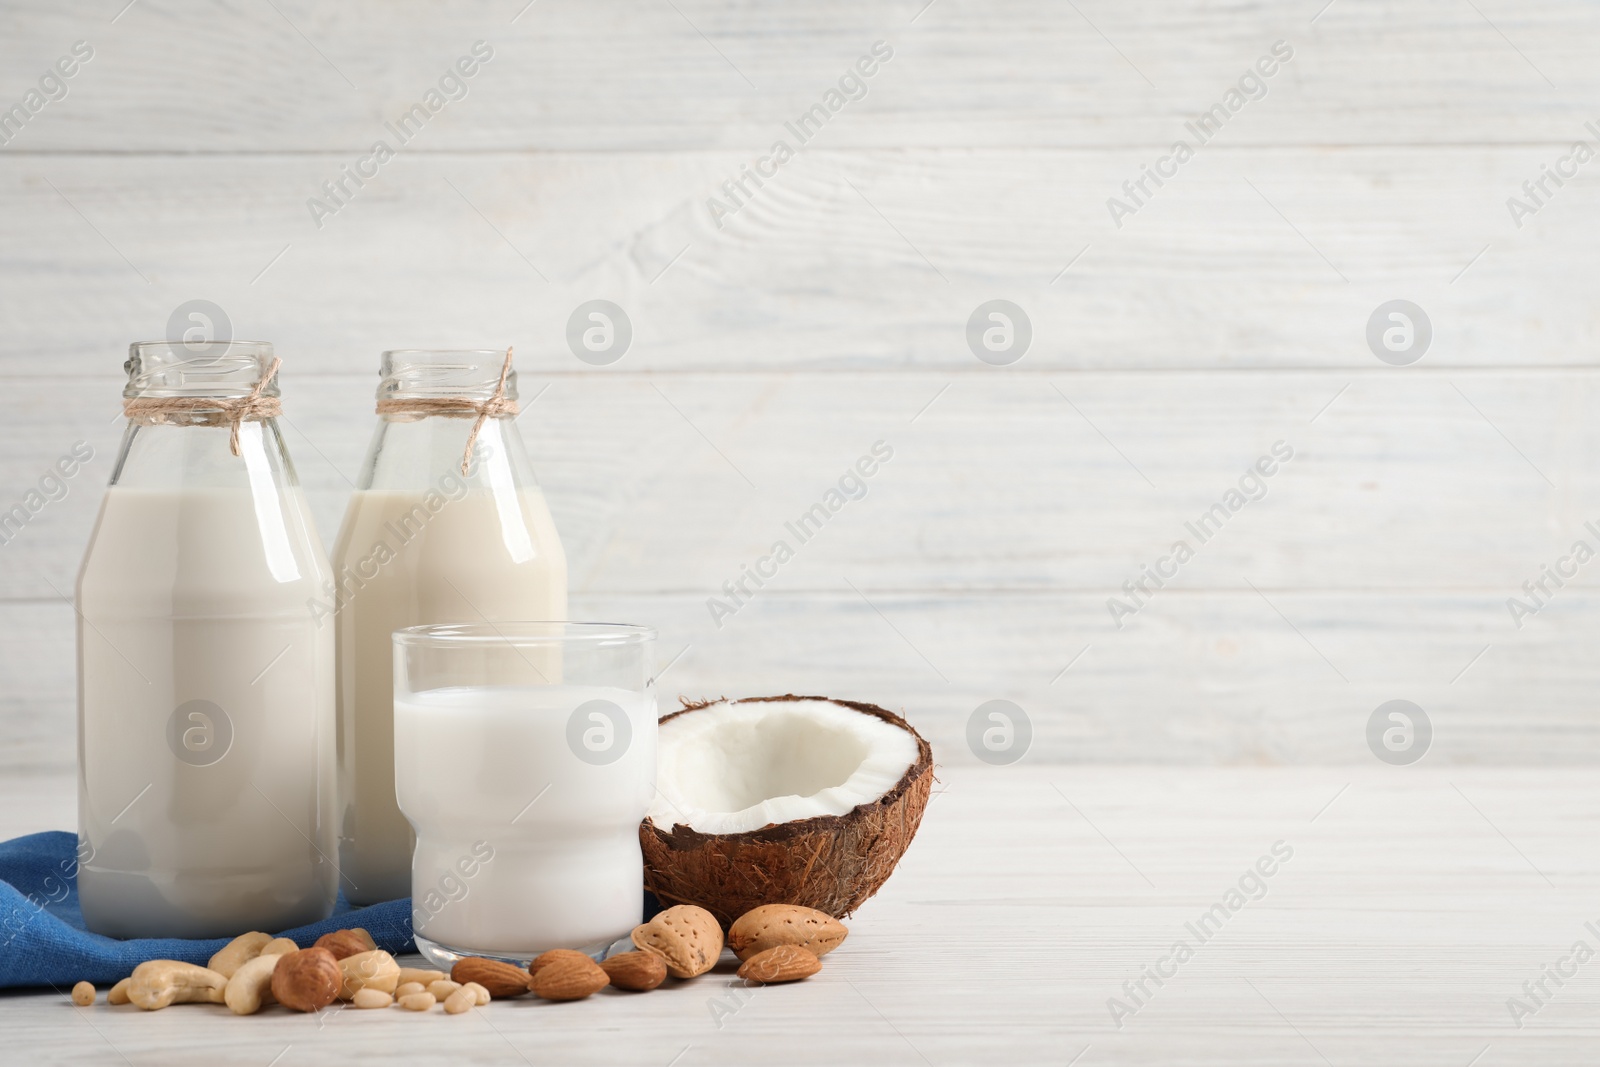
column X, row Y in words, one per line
column 776, row 943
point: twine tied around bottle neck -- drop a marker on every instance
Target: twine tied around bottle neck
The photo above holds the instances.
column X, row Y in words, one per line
column 459, row 407
column 209, row 410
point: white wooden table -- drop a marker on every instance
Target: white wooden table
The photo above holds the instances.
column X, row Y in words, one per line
column 1416, row 902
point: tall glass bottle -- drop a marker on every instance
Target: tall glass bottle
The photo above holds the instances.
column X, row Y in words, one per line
column 205, row 712
column 424, row 542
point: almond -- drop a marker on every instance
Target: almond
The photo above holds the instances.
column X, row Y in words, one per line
column 345, row 943
column 780, row 963
column 785, row 924
column 688, row 938
column 545, row 958
column 569, row 979
column 500, row 979
column 307, row 980
column 637, row 972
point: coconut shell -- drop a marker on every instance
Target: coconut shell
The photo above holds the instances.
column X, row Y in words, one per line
column 831, row 862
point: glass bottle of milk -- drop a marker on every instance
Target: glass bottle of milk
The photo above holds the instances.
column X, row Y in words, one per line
column 426, row 541
column 205, row 716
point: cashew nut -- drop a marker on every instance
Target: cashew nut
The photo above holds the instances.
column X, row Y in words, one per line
column 158, row 983
column 244, row 947
column 368, row 970
column 119, row 992
column 251, row 985
column 279, row 946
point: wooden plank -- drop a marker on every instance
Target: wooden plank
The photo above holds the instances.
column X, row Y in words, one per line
column 1396, row 930
column 719, row 74
column 1399, row 482
column 991, row 546
column 1224, row 677
column 1254, row 258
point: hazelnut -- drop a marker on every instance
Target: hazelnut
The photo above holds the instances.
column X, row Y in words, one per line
column 345, row 943
column 307, row 980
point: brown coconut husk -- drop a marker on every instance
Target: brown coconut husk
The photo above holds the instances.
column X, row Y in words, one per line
column 831, row 862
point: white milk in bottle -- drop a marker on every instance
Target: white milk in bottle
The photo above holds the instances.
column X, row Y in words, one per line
column 425, row 542
column 205, row 729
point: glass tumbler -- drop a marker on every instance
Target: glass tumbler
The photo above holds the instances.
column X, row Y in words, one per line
column 525, row 758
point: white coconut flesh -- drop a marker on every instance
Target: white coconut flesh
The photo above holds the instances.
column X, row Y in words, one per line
column 732, row 768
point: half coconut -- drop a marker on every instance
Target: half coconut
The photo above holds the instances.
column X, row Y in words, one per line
column 782, row 800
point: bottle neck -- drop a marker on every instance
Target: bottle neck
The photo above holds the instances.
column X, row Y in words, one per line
column 447, row 378
column 418, row 454
column 202, row 415
column 174, row 457
column 431, row 390
column 197, row 371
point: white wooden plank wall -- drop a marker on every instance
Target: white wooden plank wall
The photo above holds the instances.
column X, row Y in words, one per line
column 829, row 313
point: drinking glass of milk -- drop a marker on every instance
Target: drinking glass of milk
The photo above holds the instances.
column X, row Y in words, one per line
column 447, row 525
column 205, row 697
column 525, row 757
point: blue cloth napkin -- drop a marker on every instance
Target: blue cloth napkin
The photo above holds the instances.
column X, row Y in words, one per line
column 43, row 941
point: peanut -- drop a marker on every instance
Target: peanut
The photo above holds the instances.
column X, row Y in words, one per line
column 119, row 992
column 83, row 994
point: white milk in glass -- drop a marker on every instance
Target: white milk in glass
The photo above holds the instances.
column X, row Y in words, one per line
column 522, row 843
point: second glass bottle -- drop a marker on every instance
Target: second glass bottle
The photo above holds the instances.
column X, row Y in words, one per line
column 436, row 532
